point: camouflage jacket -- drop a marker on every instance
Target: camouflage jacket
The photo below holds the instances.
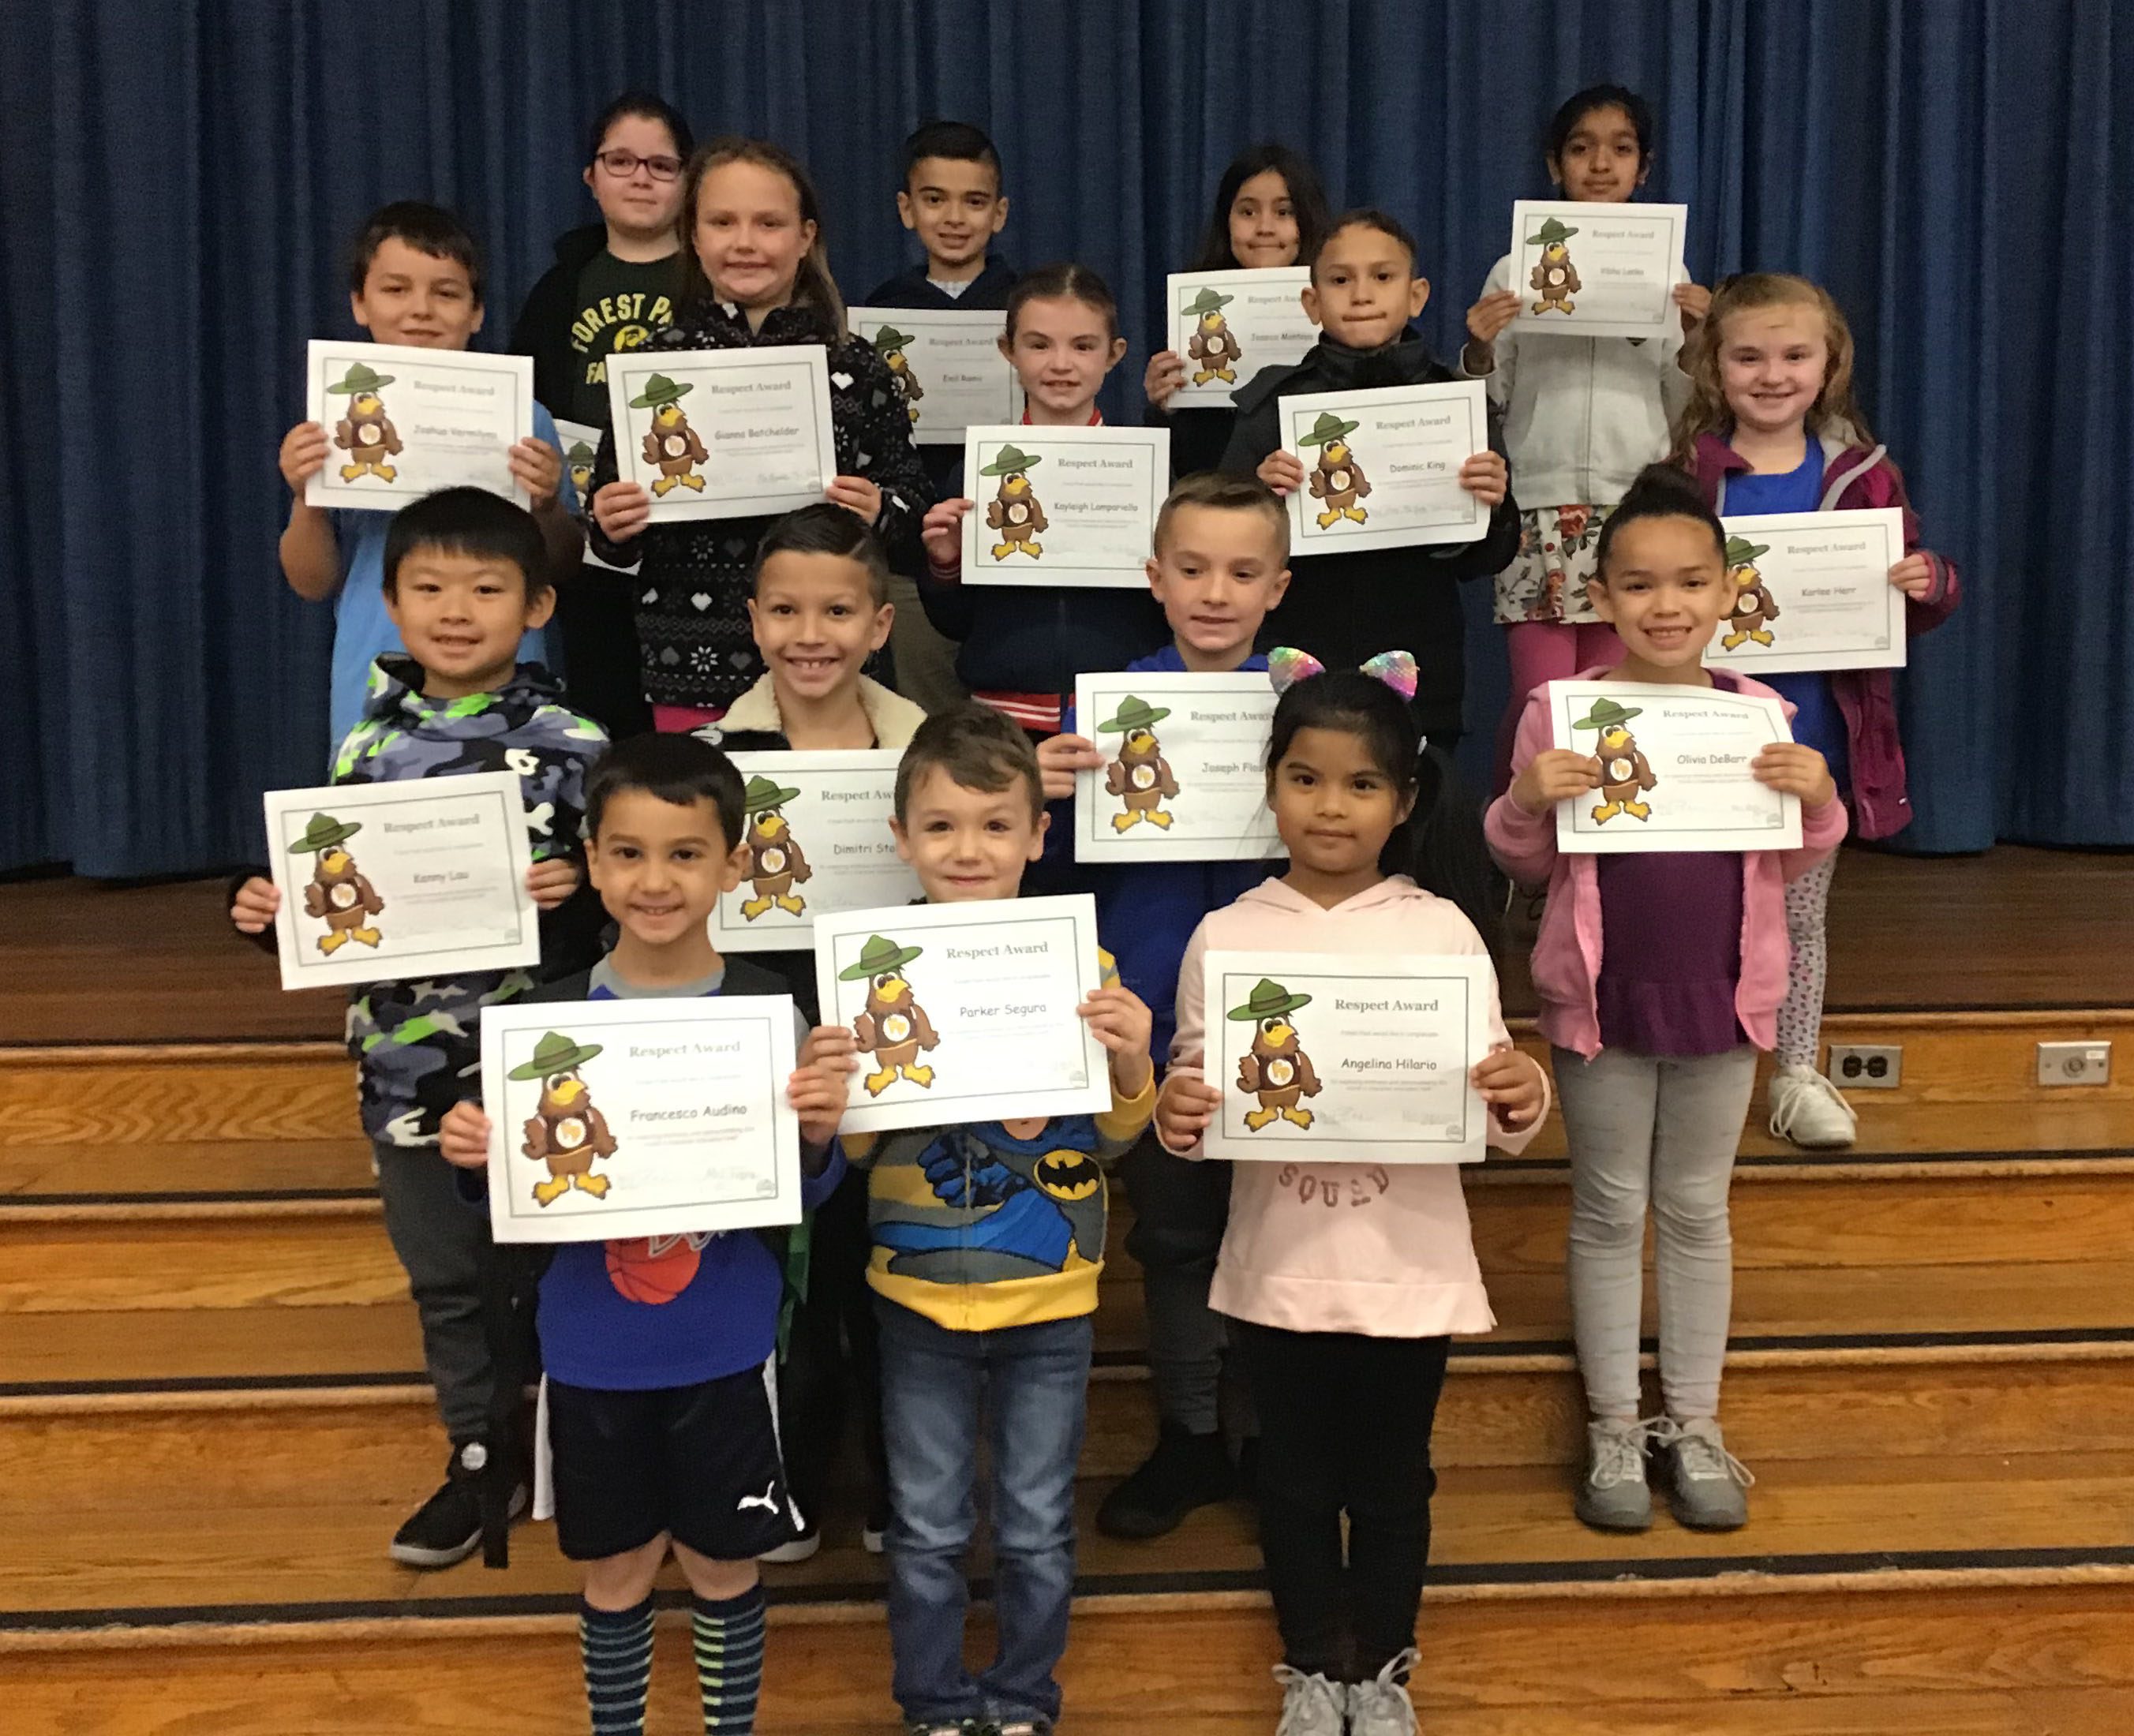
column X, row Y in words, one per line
column 418, row 1044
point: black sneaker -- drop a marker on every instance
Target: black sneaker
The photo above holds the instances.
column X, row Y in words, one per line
column 1185, row 1471
column 446, row 1528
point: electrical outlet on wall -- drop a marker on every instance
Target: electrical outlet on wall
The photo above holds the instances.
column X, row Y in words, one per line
column 2074, row 1063
column 1867, row 1066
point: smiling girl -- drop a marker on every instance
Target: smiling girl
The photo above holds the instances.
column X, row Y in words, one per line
column 1771, row 427
column 757, row 274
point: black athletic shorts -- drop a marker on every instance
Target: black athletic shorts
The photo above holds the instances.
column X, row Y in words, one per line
column 699, row 1463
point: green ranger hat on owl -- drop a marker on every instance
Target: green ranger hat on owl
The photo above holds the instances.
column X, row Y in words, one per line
column 361, row 377
column 876, row 955
column 658, row 391
column 554, row 1054
column 1134, row 714
column 1328, row 427
column 1605, row 715
column 1268, row 998
column 1207, row 302
column 1740, row 550
column 1011, row 461
column 1551, row 230
column 580, row 453
column 323, row 833
column 764, row 793
column 890, row 338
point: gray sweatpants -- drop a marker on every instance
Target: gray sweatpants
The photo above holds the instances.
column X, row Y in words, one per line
column 440, row 1240
column 1663, row 1129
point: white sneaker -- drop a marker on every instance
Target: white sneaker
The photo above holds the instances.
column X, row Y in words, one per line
column 1311, row 1705
column 1808, row 1110
column 798, row 1549
column 1382, row 1707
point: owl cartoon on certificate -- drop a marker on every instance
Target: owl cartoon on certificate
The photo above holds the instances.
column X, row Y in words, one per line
column 889, row 343
column 1214, row 345
column 1276, row 1069
column 1337, row 479
column 338, row 894
column 566, row 1132
column 1753, row 609
column 366, row 434
column 1140, row 777
column 774, row 861
column 893, row 1027
column 1625, row 774
column 671, row 446
column 1013, row 511
column 1554, row 276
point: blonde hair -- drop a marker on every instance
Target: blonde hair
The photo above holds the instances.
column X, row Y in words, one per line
column 813, row 285
column 1706, row 413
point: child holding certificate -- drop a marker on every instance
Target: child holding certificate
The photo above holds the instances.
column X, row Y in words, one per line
column 463, row 579
column 1269, row 210
column 1771, row 427
column 988, row 1244
column 1364, row 290
column 756, row 275
column 1024, row 644
column 1660, row 977
column 657, row 1350
column 1344, row 1318
column 1582, row 415
column 417, row 281
column 819, row 608
column 1221, row 563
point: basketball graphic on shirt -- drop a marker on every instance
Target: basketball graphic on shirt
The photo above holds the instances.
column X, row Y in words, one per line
column 653, row 1270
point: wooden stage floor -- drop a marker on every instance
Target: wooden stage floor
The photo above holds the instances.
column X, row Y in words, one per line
column 82, row 963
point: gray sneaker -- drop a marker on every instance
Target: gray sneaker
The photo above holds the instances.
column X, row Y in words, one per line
column 1707, row 1486
column 1614, row 1496
column 1382, row 1707
column 1310, row 1704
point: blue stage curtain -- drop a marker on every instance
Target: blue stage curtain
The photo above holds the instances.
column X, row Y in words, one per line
column 178, row 184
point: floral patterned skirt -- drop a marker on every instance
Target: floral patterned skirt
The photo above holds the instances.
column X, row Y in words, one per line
column 1547, row 579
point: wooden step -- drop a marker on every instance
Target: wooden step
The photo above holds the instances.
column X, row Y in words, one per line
column 148, row 1172
column 1954, row 1662
column 1781, row 1406
column 189, row 1091
column 147, row 1561
column 298, row 1318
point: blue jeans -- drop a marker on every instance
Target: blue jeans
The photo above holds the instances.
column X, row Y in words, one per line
column 932, row 1380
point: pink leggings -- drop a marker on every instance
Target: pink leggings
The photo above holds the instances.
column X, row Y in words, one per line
column 1543, row 651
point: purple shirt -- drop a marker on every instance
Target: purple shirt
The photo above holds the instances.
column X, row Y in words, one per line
column 1670, row 952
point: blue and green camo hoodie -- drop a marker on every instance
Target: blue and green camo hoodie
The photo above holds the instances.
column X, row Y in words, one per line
column 418, row 1044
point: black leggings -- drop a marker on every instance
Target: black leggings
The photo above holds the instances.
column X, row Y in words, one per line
column 1345, row 1427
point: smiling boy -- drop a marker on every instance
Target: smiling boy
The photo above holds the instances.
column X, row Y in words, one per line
column 461, row 577
column 1346, row 608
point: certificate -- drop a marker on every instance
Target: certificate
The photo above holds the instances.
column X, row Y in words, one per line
column 1063, row 506
column 581, row 450
column 402, row 423
column 1228, row 325
column 1812, row 590
column 1184, row 778
column 1325, row 1057
column 723, row 433
column 610, row 1120
column 1381, row 467
column 818, row 840
column 381, row 881
column 966, row 1012
column 1597, row 271
column 947, row 364
column 1674, row 768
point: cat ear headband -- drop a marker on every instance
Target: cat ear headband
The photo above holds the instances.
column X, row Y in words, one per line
column 1286, row 666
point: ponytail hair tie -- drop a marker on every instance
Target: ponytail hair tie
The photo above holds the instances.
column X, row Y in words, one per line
column 1286, row 666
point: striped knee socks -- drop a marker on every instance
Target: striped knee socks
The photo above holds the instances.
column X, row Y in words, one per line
column 617, row 1647
column 728, row 1637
